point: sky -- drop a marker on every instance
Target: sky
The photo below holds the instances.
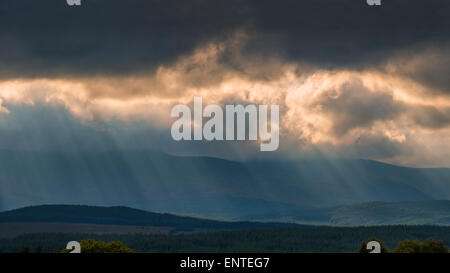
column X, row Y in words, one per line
column 351, row 80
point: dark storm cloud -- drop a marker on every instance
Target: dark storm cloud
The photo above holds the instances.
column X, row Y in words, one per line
column 431, row 67
column 49, row 38
column 356, row 107
column 432, row 117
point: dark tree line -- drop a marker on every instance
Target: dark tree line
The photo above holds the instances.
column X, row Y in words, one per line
column 301, row 239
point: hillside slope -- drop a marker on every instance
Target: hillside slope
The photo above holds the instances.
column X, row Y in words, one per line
column 119, row 216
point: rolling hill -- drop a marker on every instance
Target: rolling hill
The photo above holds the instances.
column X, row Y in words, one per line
column 91, row 219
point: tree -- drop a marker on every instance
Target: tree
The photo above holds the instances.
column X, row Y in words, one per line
column 117, row 247
column 25, row 249
column 415, row 246
column 94, row 246
column 363, row 246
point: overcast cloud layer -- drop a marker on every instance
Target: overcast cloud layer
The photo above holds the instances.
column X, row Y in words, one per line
column 350, row 79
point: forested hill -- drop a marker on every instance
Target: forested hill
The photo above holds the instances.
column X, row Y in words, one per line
column 119, row 216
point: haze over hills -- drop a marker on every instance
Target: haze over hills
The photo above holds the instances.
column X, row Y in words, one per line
column 207, row 186
column 436, row 212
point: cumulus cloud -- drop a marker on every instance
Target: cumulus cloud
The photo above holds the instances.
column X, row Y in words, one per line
column 347, row 83
column 367, row 115
column 364, row 113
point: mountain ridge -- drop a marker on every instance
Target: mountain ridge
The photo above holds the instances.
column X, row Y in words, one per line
column 206, row 186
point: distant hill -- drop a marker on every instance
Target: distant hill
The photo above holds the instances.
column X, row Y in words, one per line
column 112, row 218
column 368, row 214
column 404, row 213
column 204, row 186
